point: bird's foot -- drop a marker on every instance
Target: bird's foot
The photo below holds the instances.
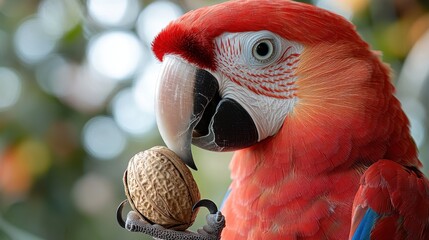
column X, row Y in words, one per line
column 211, row 231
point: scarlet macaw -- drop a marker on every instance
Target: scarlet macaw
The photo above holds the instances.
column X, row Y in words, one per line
column 323, row 148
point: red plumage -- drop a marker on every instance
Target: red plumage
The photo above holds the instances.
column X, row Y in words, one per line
column 347, row 135
column 399, row 195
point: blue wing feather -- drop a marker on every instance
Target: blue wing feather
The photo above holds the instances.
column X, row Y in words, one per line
column 363, row 231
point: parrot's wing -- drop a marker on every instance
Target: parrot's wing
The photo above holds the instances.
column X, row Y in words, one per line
column 391, row 203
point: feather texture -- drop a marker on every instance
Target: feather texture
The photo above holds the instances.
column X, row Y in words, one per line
column 302, row 183
column 366, row 224
column 399, row 196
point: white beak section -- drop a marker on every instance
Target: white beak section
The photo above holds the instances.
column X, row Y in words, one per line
column 174, row 106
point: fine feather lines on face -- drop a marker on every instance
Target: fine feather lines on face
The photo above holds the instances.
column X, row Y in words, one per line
column 332, row 81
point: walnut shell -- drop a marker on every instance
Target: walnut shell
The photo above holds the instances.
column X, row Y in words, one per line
column 160, row 187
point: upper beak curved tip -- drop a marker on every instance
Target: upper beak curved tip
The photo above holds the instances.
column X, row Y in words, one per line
column 185, row 154
column 189, row 161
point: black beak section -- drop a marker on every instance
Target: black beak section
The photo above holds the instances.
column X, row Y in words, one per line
column 190, row 110
column 230, row 128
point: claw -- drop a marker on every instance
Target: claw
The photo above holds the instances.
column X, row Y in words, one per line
column 215, row 220
column 211, row 231
column 210, row 205
column 219, row 216
column 119, row 213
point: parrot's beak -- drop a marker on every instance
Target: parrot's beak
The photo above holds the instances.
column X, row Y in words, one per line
column 190, row 110
column 180, row 104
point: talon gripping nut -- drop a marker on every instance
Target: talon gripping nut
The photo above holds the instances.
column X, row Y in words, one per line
column 161, row 189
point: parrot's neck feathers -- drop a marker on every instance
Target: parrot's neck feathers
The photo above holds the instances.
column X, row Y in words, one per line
column 346, row 116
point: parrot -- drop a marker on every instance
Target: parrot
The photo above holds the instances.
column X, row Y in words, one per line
column 322, row 147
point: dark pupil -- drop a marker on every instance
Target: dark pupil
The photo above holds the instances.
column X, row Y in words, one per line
column 262, row 49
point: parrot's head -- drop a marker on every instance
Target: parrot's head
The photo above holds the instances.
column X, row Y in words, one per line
column 241, row 72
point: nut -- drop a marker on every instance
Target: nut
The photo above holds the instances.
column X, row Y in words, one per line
column 160, row 187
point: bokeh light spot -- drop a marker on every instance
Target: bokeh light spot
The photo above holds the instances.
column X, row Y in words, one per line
column 32, row 42
column 36, row 156
column 102, row 138
column 113, row 12
column 58, row 16
column 48, row 78
column 116, row 55
column 77, row 85
column 129, row 116
column 15, row 177
column 339, row 7
column 92, row 193
column 82, row 88
column 155, row 17
column 10, row 88
column 145, row 87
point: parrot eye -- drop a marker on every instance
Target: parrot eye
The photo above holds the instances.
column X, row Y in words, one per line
column 263, row 50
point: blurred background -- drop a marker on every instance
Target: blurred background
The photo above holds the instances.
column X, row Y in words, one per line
column 76, row 103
